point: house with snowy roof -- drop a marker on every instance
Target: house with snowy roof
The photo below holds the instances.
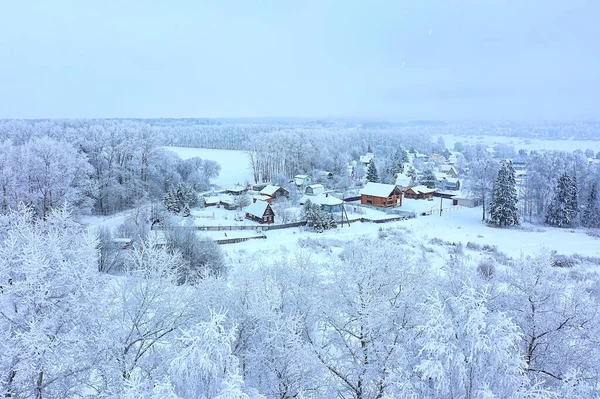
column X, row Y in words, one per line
column 381, row 195
column 403, row 182
column 366, row 159
column 261, row 212
column 314, row 189
column 328, row 202
column 302, row 180
column 419, row 192
column 274, row 191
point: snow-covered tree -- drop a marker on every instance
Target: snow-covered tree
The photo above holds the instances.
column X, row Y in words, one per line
column 372, row 174
column 428, row 179
column 316, row 218
column 480, row 179
column 51, row 330
column 591, row 213
column 177, row 197
column 503, row 207
column 563, row 209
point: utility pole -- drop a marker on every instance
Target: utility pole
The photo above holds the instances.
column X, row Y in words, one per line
column 441, row 199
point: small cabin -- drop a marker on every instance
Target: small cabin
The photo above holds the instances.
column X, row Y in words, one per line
column 261, row 212
column 419, row 192
column 381, row 195
column 403, row 182
column 366, row 159
column 314, row 189
column 448, row 170
column 274, row 191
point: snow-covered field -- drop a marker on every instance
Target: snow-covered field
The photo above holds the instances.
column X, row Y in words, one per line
column 528, row 144
column 235, row 165
column 460, row 225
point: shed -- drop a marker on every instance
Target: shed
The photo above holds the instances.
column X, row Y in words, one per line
column 328, row 202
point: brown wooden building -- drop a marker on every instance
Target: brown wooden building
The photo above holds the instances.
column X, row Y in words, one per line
column 381, row 195
column 419, row 192
column 261, row 212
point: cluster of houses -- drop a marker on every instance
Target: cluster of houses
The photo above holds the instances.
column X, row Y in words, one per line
column 378, row 195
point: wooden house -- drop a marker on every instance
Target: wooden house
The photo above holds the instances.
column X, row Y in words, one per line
column 274, row 191
column 403, row 182
column 381, row 195
column 419, row 192
column 261, row 212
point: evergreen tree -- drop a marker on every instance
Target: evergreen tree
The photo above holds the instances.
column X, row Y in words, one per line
column 186, row 210
column 369, row 150
column 398, row 160
column 503, row 208
column 372, row 174
column 429, row 180
column 177, row 197
column 411, row 172
column 591, row 214
column 563, row 208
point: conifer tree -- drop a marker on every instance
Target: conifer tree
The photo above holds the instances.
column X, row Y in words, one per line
column 503, row 208
column 372, row 174
column 563, row 208
column 429, row 180
column 398, row 160
column 591, row 214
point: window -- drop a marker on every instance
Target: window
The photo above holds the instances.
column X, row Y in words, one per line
column 369, row 196
column 369, row 202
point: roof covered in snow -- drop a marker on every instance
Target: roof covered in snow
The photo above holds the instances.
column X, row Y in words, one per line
column 378, row 189
column 270, row 190
column 403, row 180
column 422, row 189
column 325, row 199
column 257, row 208
column 316, row 188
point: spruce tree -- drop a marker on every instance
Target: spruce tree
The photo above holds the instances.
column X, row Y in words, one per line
column 564, row 207
column 429, row 180
column 503, row 208
column 591, row 214
column 372, row 174
column 411, row 172
column 398, row 160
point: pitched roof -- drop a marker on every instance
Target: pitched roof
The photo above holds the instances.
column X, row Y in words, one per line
column 325, row 199
column 270, row 190
column 257, row 208
column 378, row 189
column 422, row 189
column 316, row 188
column 403, row 180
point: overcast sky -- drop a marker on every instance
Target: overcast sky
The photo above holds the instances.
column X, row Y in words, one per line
column 398, row 59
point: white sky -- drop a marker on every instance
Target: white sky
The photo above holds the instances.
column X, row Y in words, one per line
column 400, row 59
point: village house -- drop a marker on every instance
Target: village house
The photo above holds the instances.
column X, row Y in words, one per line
column 328, row 202
column 448, row 170
column 314, row 189
column 452, row 183
column 261, row 212
column 274, row 192
column 419, row 192
column 261, row 197
column 403, row 182
column 302, row 180
column 211, row 200
column 381, row 195
column 238, row 189
column 366, row 159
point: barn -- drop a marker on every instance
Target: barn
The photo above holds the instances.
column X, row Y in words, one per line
column 381, row 195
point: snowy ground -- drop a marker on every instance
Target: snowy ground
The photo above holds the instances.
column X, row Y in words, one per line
column 459, row 225
column 235, row 165
column 528, row 144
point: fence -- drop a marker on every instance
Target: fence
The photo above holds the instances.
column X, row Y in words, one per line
column 436, row 211
column 262, row 227
column 240, row 239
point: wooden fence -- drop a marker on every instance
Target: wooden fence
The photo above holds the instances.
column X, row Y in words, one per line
column 240, row 239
